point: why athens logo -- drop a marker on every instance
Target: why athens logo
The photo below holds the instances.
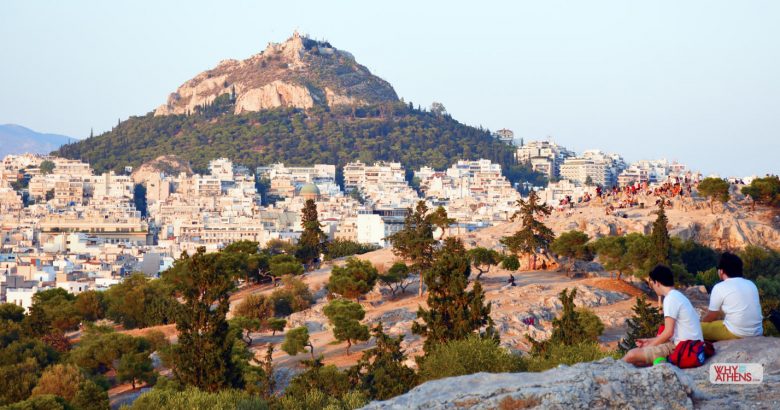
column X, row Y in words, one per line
column 736, row 373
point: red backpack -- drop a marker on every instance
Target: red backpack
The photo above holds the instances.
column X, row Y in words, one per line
column 690, row 353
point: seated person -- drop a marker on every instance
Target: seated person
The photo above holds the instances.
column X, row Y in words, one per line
column 736, row 298
column 681, row 322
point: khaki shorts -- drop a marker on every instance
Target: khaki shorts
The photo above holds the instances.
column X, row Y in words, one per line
column 653, row 352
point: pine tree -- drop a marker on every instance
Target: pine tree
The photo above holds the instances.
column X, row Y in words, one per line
column 415, row 241
column 354, row 279
column 647, row 318
column 312, row 241
column 715, row 189
column 345, row 316
column 534, row 234
column 441, row 220
column 381, row 371
column 662, row 243
column 202, row 357
column 453, row 312
column 296, row 341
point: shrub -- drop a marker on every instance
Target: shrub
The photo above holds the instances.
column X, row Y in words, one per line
column 293, row 296
column 558, row 353
column 45, row 402
column 342, row 247
column 281, row 265
column 317, row 399
column 11, row 312
column 467, row 356
column 593, row 326
column 60, row 380
column 255, row 307
column 322, row 387
column 193, row 398
column 90, row 397
column 708, row 278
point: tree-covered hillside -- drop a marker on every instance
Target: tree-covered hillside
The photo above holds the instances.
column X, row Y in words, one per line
column 391, row 131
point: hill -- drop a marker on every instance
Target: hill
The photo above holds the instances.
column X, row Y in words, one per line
column 15, row 139
column 300, row 102
column 300, row 73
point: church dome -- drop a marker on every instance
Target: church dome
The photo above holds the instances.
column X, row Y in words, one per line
column 309, row 190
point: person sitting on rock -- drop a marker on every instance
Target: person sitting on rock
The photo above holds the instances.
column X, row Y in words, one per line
column 735, row 310
column 681, row 322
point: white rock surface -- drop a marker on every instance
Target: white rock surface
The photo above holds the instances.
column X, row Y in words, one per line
column 608, row 384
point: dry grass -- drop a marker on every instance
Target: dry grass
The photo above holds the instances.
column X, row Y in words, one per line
column 511, row 403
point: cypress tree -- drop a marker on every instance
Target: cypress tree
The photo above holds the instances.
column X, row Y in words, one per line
column 662, row 243
column 312, row 241
column 381, row 371
column 567, row 329
column 647, row 318
column 453, row 312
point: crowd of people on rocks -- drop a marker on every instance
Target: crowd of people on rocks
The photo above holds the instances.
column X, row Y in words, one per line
column 674, row 191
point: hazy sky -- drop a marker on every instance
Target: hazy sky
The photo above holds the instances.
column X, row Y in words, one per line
column 697, row 81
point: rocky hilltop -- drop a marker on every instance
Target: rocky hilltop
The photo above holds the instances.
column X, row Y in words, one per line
column 299, row 72
column 608, row 384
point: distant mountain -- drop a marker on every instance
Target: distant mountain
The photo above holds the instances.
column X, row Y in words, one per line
column 15, row 139
column 299, row 73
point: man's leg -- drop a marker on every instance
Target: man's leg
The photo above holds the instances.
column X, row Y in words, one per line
column 644, row 356
column 635, row 356
column 716, row 330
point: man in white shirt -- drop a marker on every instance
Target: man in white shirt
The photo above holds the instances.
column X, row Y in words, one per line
column 681, row 322
column 735, row 309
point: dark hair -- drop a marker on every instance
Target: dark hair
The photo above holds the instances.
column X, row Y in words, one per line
column 663, row 275
column 731, row 265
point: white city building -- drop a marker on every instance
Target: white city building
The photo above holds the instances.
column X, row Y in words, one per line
column 545, row 157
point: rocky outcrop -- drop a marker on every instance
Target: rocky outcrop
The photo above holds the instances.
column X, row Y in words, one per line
column 607, row 383
column 168, row 164
column 603, row 384
column 275, row 94
column 731, row 227
column 300, row 73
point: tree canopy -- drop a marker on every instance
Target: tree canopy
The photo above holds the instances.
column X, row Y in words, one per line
column 715, row 189
column 765, row 191
column 453, row 312
column 534, row 234
column 354, row 279
column 329, row 135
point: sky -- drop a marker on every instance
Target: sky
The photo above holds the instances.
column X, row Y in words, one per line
column 694, row 81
